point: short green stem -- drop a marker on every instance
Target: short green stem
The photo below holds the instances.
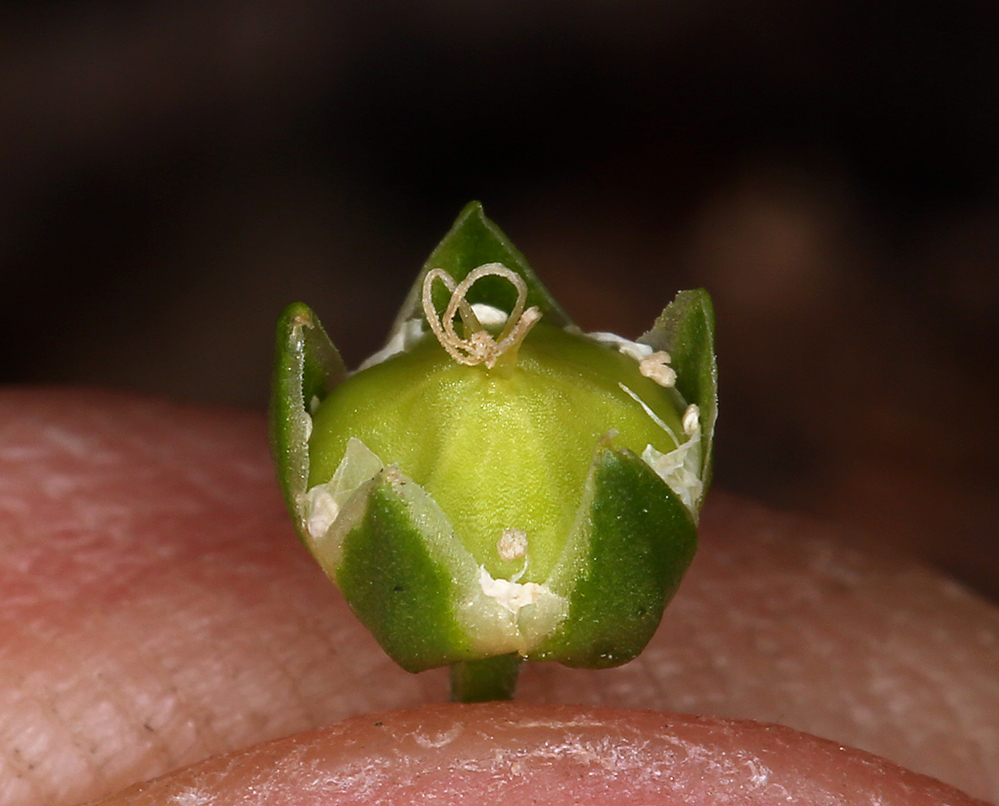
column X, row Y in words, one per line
column 485, row 680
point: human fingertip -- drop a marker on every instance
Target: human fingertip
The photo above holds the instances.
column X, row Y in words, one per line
column 544, row 755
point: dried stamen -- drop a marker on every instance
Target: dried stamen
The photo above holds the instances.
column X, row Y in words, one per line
column 656, row 366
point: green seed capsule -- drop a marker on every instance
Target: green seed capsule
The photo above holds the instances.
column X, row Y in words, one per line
column 495, row 485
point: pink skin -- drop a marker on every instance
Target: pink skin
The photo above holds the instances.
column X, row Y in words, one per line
column 156, row 610
column 500, row 753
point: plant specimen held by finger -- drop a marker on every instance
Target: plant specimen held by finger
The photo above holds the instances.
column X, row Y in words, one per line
column 494, row 485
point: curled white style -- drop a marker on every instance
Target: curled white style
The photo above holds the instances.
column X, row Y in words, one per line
column 478, row 346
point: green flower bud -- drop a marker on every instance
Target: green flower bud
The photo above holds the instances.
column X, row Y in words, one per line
column 495, row 485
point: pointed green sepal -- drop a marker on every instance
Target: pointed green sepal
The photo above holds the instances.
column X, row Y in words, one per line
column 396, row 587
column 638, row 542
column 394, row 554
column 472, row 241
column 306, row 368
column 686, row 330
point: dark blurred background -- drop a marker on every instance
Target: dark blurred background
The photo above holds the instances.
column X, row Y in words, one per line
column 172, row 174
